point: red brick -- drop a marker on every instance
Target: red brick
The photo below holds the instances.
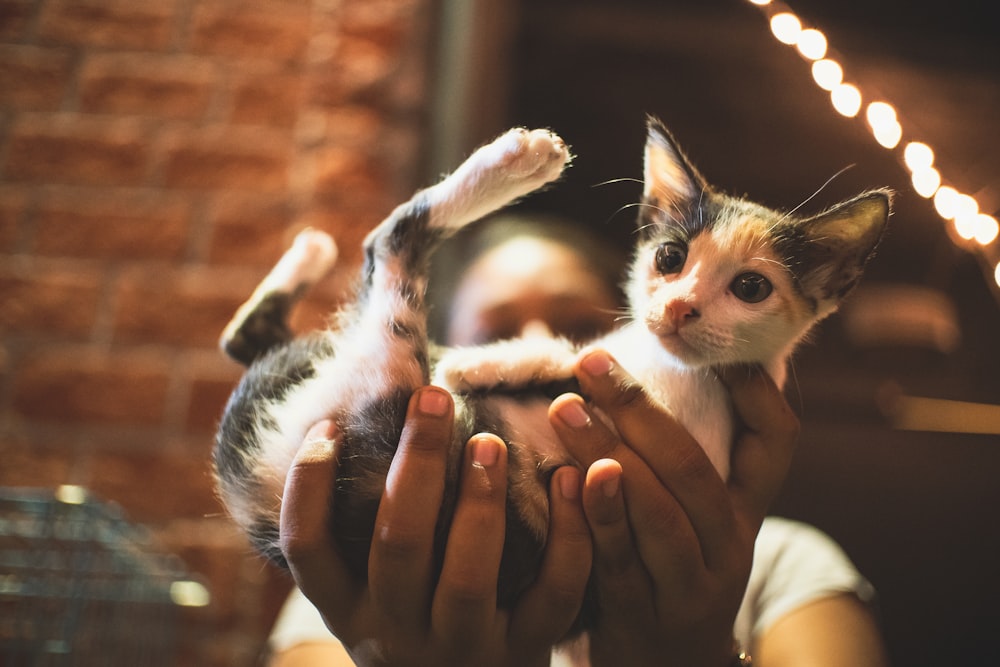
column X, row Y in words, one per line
column 109, row 23
column 352, row 171
column 355, row 127
column 264, row 31
column 15, row 18
column 34, row 78
column 119, row 225
column 13, row 205
column 250, row 230
column 383, row 21
column 154, row 486
column 78, row 385
column 174, row 87
column 359, row 66
column 33, row 464
column 267, row 99
column 40, row 297
column 66, row 148
column 228, row 159
column 179, row 307
column 208, row 399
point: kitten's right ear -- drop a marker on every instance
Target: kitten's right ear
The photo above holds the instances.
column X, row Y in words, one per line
column 669, row 179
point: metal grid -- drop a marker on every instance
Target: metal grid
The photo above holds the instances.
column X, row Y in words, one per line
column 80, row 585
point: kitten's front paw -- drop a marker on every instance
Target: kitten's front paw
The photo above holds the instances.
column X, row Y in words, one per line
column 534, row 155
column 526, row 159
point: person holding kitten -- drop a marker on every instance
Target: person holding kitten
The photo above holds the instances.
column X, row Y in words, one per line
column 673, row 545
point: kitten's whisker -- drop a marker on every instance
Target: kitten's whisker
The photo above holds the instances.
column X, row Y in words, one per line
column 612, row 181
column 813, row 195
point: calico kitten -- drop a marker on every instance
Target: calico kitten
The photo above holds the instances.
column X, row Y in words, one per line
column 715, row 280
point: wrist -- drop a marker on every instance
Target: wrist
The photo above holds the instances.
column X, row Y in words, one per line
column 740, row 656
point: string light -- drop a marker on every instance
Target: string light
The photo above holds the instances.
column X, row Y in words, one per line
column 846, row 100
column 812, row 44
column 827, row 73
column 986, row 229
column 786, row 27
column 926, row 181
column 918, row 155
column 962, row 210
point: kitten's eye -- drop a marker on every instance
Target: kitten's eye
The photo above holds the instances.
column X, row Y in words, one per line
column 670, row 258
column 751, row 287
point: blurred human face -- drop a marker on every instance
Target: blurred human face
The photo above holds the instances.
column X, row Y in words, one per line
column 530, row 287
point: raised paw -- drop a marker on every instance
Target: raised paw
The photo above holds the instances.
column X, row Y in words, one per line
column 514, row 164
column 536, row 156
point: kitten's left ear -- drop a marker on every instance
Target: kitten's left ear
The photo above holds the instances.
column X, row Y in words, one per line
column 834, row 246
column 670, row 180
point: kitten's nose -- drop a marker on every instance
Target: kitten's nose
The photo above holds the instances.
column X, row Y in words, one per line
column 680, row 312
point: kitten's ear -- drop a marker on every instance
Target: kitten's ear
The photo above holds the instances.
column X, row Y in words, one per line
column 670, row 180
column 836, row 244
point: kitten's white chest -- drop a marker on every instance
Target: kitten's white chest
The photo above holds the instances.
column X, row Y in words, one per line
column 695, row 396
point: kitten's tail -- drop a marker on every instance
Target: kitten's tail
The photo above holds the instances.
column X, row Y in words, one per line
column 262, row 322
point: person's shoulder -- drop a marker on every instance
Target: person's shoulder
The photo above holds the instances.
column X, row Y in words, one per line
column 778, row 534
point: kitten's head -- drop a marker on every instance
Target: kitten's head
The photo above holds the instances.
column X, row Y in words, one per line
column 721, row 280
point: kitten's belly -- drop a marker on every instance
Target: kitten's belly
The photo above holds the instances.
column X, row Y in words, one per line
column 528, row 423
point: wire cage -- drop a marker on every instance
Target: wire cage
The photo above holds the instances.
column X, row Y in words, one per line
column 80, row 585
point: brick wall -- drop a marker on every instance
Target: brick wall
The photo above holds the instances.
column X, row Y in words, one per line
column 155, row 158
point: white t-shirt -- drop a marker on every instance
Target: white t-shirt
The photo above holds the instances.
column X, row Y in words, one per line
column 793, row 564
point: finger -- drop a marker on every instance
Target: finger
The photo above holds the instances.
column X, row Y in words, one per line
column 679, row 462
column 547, row 610
column 465, row 600
column 660, row 526
column 764, row 448
column 623, row 582
column 306, row 542
column 401, row 563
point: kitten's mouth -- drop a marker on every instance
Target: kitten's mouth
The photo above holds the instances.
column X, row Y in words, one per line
column 675, row 343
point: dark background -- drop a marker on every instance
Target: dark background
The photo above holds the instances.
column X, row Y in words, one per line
column 913, row 509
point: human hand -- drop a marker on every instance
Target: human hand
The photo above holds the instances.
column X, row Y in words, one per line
column 401, row 616
column 673, row 542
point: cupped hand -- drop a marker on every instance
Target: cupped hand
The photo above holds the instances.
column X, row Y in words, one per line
column 402, row 615
column 673, row 541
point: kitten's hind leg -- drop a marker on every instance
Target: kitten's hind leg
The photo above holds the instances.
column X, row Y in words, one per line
column 262, row 322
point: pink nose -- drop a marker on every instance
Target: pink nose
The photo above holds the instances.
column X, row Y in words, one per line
column 681, row 312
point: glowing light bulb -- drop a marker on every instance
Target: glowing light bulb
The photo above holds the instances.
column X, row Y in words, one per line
column 996, row 274
column 966, row 206
column 926, row 181
column 918, row 155
column 987, row 229
column 761, row 3
column 880, row 113
column 965, row 226
column 827, row 73
column 786, row 27
column 888, row 135
column 846, row 100
column 812, row 44
column 945, row 201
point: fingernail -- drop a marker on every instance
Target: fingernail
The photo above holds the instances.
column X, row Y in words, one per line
column 569, row 483
column 321, row 430
column 573, row 415
column 432, row 402
column 597, row 363
column 318, row 441
column 485, row 451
